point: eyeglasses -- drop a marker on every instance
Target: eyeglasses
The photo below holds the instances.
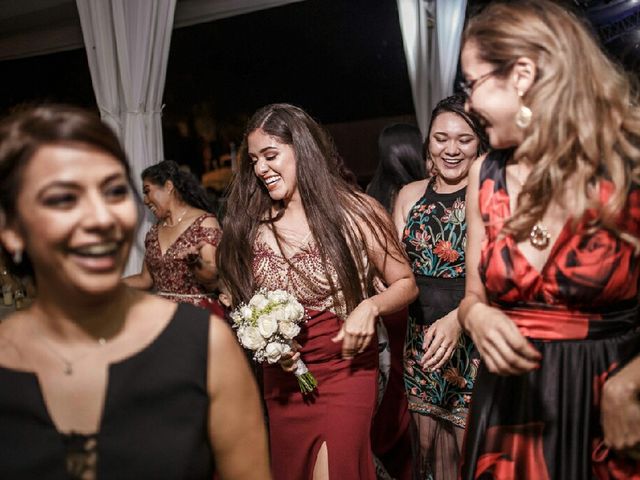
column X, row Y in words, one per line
column 467, row 86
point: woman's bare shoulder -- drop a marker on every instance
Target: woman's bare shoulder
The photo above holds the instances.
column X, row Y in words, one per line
column 410, row 194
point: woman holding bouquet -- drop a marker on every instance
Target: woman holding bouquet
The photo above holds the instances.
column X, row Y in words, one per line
column 293, row 223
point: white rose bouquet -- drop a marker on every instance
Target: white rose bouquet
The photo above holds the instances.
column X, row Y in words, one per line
column 267, row 326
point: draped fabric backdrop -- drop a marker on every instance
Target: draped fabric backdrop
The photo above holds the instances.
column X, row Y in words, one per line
column 449, row 23
column 416, row 23
column 431, row 31
column 127, row 44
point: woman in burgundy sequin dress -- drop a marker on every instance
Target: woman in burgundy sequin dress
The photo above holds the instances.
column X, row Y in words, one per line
column 294, row 223
column 179, row 262
column 553, row 220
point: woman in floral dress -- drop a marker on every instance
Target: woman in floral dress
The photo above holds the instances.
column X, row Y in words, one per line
column 179, row 261
column 439, row 364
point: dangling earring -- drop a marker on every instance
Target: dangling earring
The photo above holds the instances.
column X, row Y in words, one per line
column 523, row 117
column 17, row 256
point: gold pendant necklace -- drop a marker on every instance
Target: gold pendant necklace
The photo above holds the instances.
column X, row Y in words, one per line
column 539, row 236
column 165, row 224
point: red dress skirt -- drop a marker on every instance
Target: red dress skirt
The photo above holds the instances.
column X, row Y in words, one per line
column 581, row 312
column 338, row 413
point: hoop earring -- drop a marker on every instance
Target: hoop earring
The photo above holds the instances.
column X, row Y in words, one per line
column 17, row 256
column 524, row 115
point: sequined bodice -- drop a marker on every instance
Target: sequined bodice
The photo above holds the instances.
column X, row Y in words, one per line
column 170, row 271
column 303, row 275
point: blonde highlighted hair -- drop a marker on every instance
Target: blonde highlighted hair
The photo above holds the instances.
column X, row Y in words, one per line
column 586, row 119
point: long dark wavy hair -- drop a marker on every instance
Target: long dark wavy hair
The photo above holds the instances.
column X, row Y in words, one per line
column 30, row 128
column 335, row 210
column 400, row 161
column 186, row 184
column 455, row 104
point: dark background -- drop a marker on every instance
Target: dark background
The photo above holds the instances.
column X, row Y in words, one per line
column 341, row 60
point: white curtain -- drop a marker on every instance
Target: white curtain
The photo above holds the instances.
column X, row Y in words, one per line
column 449, row 23
column 127, row 44
column 416, row 23
column 431, row 31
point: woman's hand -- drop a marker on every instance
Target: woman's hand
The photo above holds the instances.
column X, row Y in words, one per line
column 503, row 349
column 201, row 260
column 440, row 341
column 358, row 329
column 288, row 360
column 621, row 408
column 192, row 255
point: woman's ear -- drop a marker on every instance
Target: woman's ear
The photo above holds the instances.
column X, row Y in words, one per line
column 11, row 240
column 169, row 187
column 524, row 74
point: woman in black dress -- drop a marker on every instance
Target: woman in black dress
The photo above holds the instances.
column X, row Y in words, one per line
column 98, row 380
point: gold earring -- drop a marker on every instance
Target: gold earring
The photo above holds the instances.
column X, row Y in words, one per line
column 523, row 117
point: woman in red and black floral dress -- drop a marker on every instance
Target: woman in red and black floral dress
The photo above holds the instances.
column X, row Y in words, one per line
column 553, row 222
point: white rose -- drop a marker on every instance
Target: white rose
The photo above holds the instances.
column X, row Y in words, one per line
column 258, row 301
column 278, row 296
column 267, row 325
column 280, row 314
column 289, row 330
column 294, row 313
column 250, row 338
column 273, row 352
column 246, row 312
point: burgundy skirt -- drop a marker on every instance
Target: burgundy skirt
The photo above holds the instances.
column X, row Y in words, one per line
column 338, row 413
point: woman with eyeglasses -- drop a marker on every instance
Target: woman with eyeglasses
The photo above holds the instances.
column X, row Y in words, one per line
column 440, row 365
column 553, row 218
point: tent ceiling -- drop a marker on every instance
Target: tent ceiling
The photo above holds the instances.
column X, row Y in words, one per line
column 37, row 27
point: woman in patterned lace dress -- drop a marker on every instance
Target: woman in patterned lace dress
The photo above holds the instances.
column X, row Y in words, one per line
column 179, row 261
column 99, row 380
column 440, row 367
column 553, row 219
column 294, row 223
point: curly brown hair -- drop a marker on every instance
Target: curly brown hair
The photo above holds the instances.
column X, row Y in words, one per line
column 586, row 120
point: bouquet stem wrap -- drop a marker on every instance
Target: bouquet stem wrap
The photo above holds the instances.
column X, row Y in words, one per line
column 306, row 380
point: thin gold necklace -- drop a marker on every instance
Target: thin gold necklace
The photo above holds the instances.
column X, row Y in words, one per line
column 165, row 224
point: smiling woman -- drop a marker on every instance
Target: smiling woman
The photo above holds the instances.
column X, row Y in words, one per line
column 440, row 367
column 67, row 401
column 295, row 224
column 179, row 261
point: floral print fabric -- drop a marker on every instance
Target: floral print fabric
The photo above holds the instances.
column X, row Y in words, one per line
column 581, row 312
column 434, row 238
column 435, row 234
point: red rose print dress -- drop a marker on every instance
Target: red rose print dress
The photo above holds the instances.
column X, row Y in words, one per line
column 581, row 312
column 172, row 277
